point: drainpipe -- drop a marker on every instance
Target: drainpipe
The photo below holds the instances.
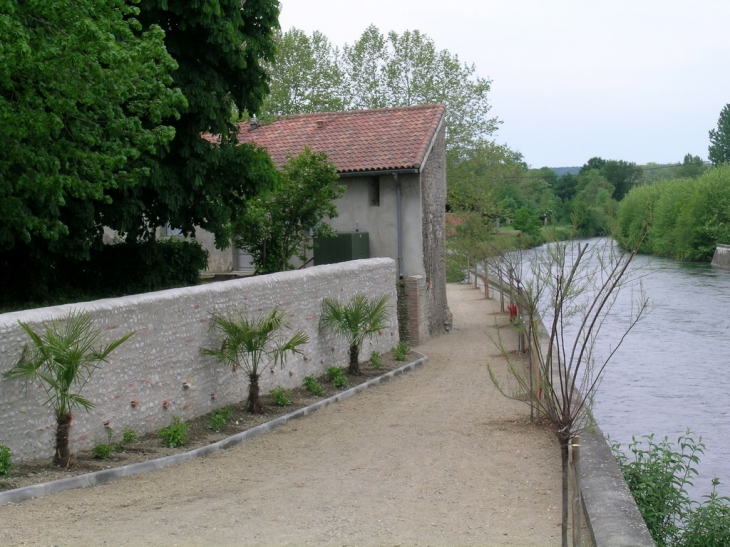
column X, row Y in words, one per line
column 400, row 224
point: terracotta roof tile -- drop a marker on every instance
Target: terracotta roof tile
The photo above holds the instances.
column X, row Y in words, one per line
column 355, row 141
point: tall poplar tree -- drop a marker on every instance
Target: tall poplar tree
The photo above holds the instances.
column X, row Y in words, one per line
column 719, row 151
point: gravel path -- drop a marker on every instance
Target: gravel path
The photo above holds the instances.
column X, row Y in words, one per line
column 434, row 457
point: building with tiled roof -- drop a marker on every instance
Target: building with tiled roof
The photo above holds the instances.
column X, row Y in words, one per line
column 393, row 162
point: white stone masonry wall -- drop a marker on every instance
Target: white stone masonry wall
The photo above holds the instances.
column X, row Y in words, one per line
column 144, row 384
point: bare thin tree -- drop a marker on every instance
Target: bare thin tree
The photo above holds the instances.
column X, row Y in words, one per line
column 572, row 287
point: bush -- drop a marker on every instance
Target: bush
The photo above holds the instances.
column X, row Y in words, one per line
column 337, row 376
column 686, row 218
column 709, row 524
column 312, row 386
column 128, row 436
column 5, row 462
column 102, row 451
column 401, row 351
column 175, row 434
column 455, row 268
column 113, row 270
column 376, row 360
column 657, row 477
column 281, row 396
column 219, row 418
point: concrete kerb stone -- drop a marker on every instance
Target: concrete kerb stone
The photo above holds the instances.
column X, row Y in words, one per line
column 100, row 477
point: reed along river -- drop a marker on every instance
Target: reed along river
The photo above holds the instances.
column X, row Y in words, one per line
column 673, row 370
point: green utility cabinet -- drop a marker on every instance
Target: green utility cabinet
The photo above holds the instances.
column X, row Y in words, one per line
column 341, row 248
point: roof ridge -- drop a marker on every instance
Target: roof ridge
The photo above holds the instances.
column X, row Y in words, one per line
column 364, row 111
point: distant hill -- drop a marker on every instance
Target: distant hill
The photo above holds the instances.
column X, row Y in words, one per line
column 560, row 171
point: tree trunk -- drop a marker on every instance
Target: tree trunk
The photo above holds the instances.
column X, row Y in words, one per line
column 63, row 454
column 354, row 364
column 564, row 460
column 252, row 403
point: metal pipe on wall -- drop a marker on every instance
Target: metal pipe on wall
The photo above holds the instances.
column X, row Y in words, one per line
column 400, row 224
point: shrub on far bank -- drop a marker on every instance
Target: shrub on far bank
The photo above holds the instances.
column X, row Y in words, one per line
column 683, row 218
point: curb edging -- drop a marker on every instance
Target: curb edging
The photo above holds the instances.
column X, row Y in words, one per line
column 107, row 475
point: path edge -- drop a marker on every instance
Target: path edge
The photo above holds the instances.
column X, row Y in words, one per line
column 107, row 475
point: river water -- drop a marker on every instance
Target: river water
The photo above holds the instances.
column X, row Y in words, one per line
column 673, row 370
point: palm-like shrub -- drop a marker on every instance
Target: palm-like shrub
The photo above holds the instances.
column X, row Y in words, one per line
column 63, row 359
column 359, row 319
column 253, row 343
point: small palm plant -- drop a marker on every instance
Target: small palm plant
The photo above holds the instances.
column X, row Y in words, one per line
column 359, row 319
column 63, row 359
column 253, row 343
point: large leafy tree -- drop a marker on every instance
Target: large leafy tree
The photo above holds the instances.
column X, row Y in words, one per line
column 278, row 225
column 719, row 151
column 83, row 91
column 221, row 47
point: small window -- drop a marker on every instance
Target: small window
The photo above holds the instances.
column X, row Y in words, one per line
column 375, row 191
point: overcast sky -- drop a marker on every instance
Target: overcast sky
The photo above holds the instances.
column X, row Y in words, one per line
column 637, row 80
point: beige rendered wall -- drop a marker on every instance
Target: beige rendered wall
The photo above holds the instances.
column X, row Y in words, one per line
column 381, row 221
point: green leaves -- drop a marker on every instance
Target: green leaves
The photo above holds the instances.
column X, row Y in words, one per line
column 254, row 342
column 83, row 92
column 358, row 319
column 375, row 71
column 64, row 358
column 719, row 151
column 275, row 226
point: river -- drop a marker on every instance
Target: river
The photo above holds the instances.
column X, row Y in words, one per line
column 673, row 370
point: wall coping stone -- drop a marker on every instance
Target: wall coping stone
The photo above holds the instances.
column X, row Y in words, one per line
column 613, row 517
column 250, row 283
column 100, row 477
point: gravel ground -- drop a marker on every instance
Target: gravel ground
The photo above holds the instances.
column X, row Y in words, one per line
column 433, row 457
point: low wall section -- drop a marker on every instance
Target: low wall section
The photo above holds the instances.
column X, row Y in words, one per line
column 160, row 368
column 721, row 259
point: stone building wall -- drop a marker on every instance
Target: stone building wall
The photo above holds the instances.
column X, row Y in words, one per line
column 159, row 372
column 433, row 203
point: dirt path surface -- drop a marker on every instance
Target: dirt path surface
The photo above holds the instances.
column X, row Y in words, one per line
column 435, row 457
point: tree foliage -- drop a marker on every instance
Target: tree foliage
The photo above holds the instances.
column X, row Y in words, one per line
column 84, row 90
column 620, row 174
column 103, row 105
column 379, row 71
column 685, row 218
column 278, row 225
column 719, row 151
column 221, row 47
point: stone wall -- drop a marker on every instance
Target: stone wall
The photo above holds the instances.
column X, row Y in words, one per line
column 433, row 204
column 159, row 373
column 722, row 257
column 413, row 310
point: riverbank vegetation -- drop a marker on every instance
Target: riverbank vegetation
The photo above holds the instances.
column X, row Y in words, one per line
column 683, row 218
column 657, row 473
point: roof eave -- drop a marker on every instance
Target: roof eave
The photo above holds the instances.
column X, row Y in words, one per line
column 380, row 172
